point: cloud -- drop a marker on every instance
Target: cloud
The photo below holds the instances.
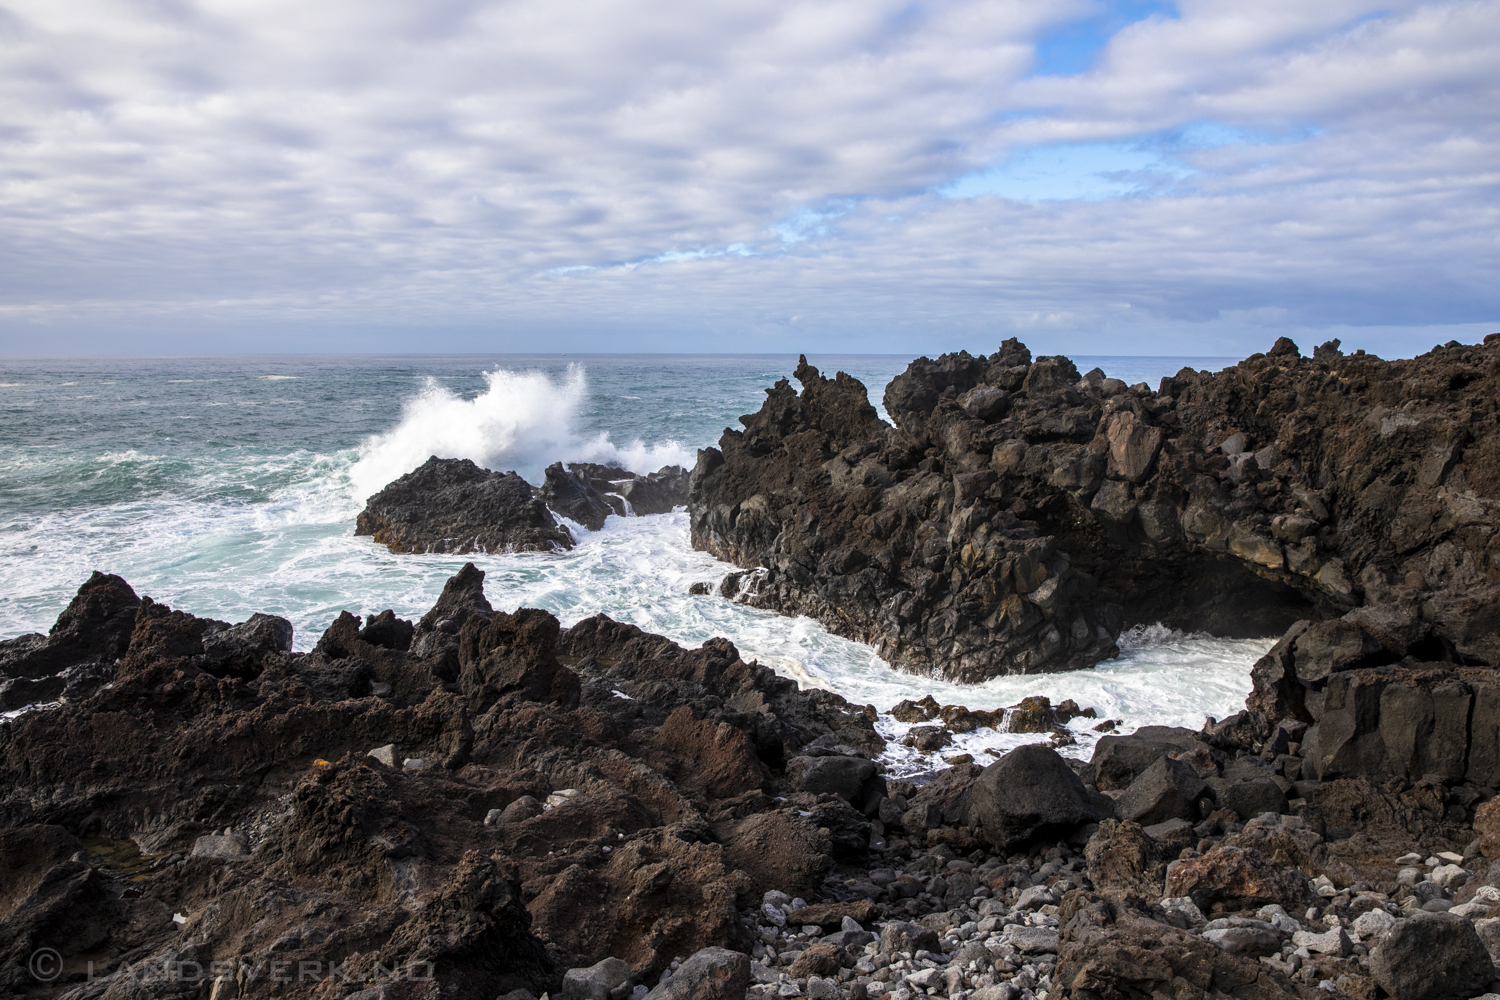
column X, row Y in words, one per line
column 464, row 171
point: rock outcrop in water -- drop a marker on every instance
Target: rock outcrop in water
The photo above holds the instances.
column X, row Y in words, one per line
column 589, row 493
column 452, row 505
column 1019, row 515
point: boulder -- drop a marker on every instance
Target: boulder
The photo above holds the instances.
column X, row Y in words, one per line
column 1431, row 956
column 708, row 974
column 1119, row 760
column 1121, row 856
column 1487, row 826
column 571, row 494
column 1488, row 930
column 1238, row 878
column 596, row 981
column 850, row 778
column 819, row 959
column 1168, row 789
column 1254, row 797
column 899, row 935
column 1244, row 940
column 1028, row 792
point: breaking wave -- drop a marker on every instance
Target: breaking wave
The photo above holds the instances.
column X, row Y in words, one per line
column 522, row 421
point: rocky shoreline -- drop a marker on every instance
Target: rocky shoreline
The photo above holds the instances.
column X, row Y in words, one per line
column 482, row 804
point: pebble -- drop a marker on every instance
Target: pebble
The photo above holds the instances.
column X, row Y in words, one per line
column 1002, row 943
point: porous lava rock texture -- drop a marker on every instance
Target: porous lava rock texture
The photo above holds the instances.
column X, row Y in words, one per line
column 538, row 799
column 1018, row 516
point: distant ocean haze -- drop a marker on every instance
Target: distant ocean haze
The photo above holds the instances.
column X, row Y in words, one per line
column 229, row 485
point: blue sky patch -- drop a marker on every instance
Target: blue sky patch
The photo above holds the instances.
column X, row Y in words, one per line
column 1092, row 171
column 1070, row 48
column 1079, row 172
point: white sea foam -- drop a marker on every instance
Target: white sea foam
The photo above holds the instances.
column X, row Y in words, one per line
column 522, row 421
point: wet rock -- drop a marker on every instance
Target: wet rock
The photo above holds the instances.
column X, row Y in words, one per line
column 452, row 505
column 571, row 494
column 1430, row 956
column 928, row 738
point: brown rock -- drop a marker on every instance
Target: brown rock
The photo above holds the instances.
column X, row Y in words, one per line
column 778, row 851
column 1487, row 825
column 1121, row 857
column 828, row 915
column 818, row 960
column 1238, row 878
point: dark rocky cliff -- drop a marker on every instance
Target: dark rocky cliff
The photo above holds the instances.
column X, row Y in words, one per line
column 1019, row 515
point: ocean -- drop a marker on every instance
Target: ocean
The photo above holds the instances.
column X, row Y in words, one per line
column 229, row 485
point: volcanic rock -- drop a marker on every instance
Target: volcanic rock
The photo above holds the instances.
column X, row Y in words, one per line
column 1017, row 516
column 710, row 974
column 78, row 654
column 1028, row 791
column 1239, row 878
column 227, row 779
column 1431, row 956
column 452, row 505
column 589, row 493
column 1168, row 789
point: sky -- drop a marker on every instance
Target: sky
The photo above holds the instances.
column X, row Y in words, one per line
column 882, row 176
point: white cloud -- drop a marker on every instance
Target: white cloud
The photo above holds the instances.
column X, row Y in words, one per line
column 468, row 166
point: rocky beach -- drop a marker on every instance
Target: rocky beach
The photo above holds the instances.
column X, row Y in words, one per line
column 481, row 803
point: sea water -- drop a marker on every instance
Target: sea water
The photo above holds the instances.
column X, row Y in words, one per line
column 224, row 486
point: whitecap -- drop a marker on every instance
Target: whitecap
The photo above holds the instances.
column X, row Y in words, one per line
column 522, row 421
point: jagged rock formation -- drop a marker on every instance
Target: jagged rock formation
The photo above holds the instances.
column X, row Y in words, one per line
column 589, row 493
column 537, row 799
column 1018, row 516
column 452, row 505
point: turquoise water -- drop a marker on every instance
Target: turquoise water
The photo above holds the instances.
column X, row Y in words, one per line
column 229, row 485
